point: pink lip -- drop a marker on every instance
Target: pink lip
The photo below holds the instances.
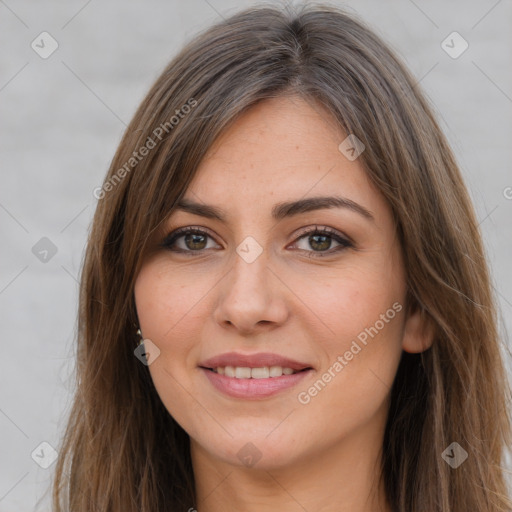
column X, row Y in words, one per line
column 253, row 361
column 253, row 388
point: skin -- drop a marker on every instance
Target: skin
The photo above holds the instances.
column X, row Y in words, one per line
column 322, row 455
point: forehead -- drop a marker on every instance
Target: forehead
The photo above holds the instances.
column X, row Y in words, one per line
column 278, row 142
column 281, row 149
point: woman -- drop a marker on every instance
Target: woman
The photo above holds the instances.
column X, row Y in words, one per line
column 285, row 301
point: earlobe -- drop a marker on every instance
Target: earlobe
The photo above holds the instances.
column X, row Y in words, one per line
column 418, row 331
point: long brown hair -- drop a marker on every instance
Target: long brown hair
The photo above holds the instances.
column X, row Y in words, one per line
column 122, row 451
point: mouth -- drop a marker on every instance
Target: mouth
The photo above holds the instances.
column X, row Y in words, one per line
column 253, row 376
column 262, row 372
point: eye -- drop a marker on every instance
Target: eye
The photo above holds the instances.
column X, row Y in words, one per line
column 320, row 239
column 192, row 240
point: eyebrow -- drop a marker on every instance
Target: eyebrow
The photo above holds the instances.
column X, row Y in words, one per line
column 281, row 210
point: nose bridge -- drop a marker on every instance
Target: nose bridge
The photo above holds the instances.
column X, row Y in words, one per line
column 249, row 294
column 249, row 269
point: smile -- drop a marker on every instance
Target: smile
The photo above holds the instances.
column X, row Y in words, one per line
column 245, row 372
column 253, row 376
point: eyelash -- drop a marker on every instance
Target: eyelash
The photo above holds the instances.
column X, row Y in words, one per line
column 172, row 237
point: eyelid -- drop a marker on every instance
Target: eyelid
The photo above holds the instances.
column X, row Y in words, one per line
column 318, row 227
column 343, row 240
column 175, row 233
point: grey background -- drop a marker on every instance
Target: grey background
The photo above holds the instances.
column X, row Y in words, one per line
column 61, row 119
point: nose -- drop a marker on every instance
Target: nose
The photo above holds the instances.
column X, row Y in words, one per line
column 251, row 297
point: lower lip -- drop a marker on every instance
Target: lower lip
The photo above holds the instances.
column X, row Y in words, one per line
column 253, row 388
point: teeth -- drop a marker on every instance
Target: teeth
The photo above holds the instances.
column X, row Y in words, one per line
column 244, row 372
column 260, row 373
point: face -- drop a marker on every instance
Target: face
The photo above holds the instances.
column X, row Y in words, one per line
column 280, row 326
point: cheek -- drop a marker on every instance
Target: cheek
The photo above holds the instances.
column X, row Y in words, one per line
column 351, row 299
column 362, row 323
column 168, row 304
column 168, row 308
column 360, row 361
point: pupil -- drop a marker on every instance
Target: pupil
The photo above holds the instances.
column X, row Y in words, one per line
column 324, row 245
column 195, row 238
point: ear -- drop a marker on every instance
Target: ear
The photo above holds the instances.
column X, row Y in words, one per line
column 418, row 331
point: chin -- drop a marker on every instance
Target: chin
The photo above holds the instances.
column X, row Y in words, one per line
column 254, row 451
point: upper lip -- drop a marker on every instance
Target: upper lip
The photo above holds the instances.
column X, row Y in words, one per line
column 253, row 361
